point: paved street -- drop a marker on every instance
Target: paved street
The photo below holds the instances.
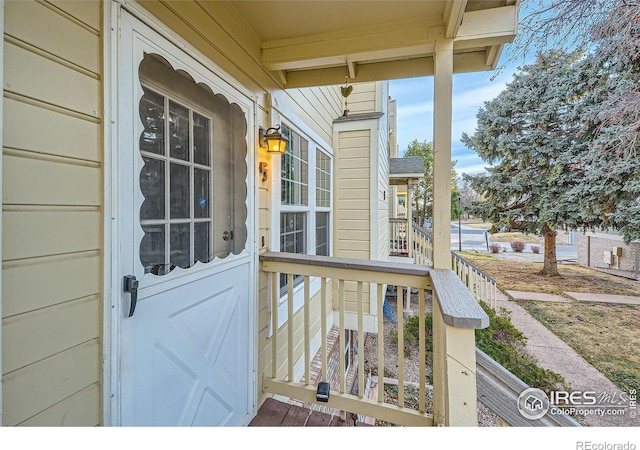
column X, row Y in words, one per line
column 471, row 238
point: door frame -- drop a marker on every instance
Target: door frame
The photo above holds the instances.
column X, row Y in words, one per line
column 1, row 234
column 112, row 279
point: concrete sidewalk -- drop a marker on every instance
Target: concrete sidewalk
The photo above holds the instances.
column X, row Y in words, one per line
column 553, row 354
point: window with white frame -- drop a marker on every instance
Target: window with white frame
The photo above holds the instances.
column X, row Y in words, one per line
column 305, row 201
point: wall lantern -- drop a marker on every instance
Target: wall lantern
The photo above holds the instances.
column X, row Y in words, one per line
column 272, row 140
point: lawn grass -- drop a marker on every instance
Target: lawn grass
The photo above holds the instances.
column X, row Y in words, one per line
column 525, row 276
column 606, row 335
column 510, row 237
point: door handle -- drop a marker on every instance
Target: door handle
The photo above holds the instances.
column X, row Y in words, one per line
column 227, row 235
column 130, row 285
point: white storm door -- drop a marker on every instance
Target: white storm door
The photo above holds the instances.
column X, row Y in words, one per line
column 185, row 347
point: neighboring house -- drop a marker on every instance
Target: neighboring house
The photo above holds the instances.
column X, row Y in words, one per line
column 607, row 252
column 148, row 236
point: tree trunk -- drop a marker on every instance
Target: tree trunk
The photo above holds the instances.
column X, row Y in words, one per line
column 550, row 267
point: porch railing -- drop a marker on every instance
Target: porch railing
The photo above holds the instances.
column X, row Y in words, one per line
column 343, row 286
column 398, row 237
column 422, row 251
column 481, row 285
column 500, row 390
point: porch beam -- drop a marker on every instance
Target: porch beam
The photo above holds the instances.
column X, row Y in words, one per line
column 397, row 41
column 453, row 14
column 500, row 24
column 387, row 70
column 360, row 44
column 473, row 61
column 352, row 69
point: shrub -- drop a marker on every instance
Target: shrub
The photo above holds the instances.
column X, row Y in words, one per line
column 517, row 246
column 495, row 248
column 503, row 342
column 535, row 248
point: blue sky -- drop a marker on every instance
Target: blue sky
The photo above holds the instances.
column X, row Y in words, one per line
column 414, row 100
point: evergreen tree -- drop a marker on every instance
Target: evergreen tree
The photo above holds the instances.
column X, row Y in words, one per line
column 528, row 135
column 608, row 106
column 609, row 111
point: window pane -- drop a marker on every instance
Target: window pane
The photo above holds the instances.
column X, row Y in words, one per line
column 180, row 189
column 202, row 241
column 323, row 179
column 322, row 233
column 304, row 172
column 201, row 140
column 292, row 236
column 292, row 240
column 152, row 185
column 201, row 189
column 294, row 170
column 152, row 116
column 152, row 254
column 180, row 245
column 179, row 131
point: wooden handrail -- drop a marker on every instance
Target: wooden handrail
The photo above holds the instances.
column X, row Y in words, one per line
column 347, row 263
column 459, row 308
column 499, row 389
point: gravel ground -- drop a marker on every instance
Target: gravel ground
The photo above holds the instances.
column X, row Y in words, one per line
column 411, row 364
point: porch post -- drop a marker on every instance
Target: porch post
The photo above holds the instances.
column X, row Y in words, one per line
column 441, row 210
column 442, row 99
column 409, row 221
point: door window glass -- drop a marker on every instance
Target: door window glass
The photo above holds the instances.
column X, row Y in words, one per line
column 193, row 182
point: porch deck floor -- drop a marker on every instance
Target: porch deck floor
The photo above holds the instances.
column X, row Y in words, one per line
column 274, row 413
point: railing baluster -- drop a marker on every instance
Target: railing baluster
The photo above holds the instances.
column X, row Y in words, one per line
column 342, row 337
column 360, row 343
column 399, row 297
column 485, row 290
column 323, row 325
column 422, row 351
column 495, row 296
column 274, row 324
column 290, row 327
column 380, row 345
column 307, row 339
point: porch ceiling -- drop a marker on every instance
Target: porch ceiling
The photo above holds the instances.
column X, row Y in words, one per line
column 312, row 43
